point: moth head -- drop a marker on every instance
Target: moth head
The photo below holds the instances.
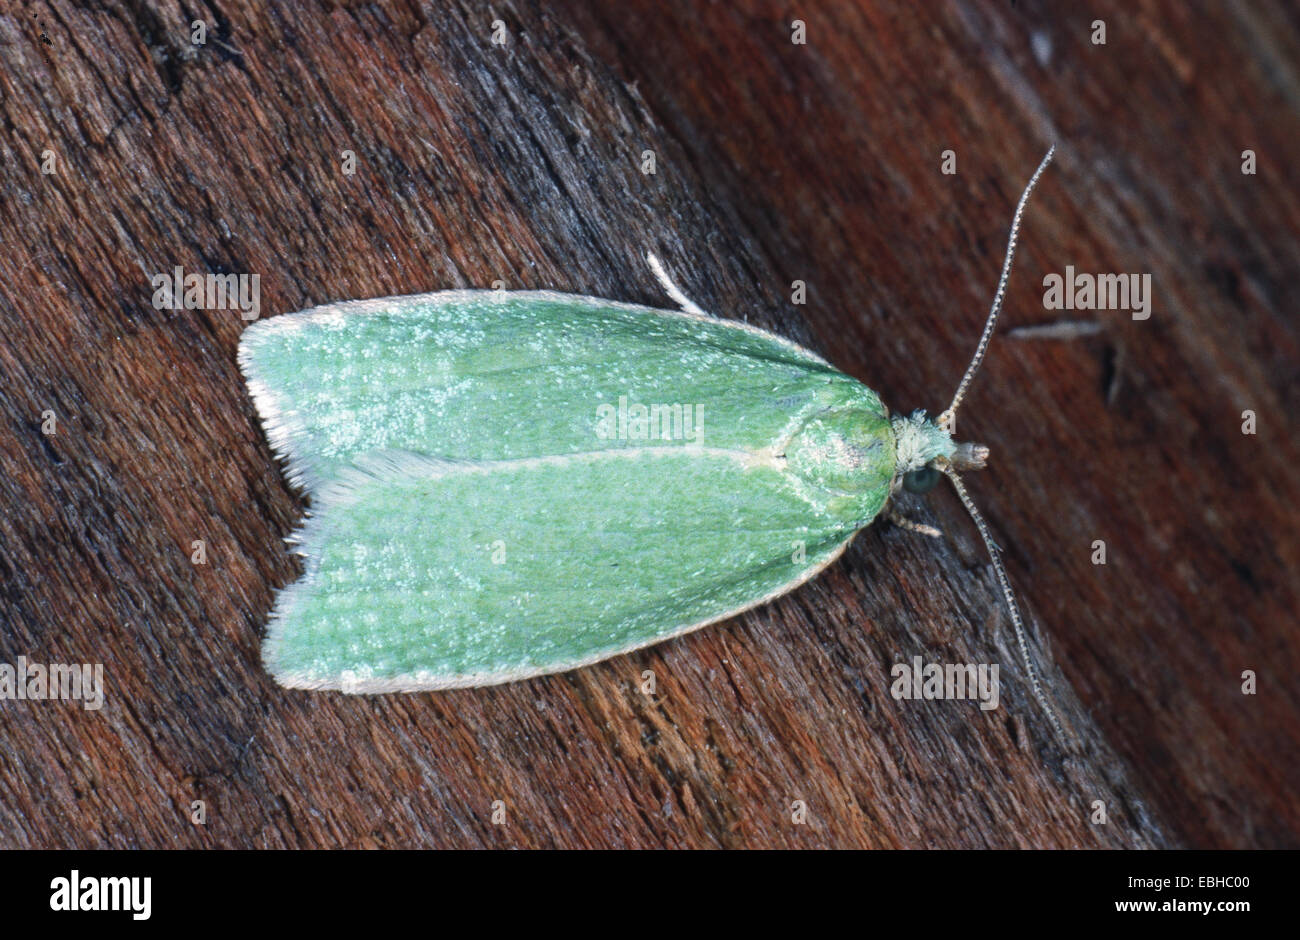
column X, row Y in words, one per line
column 924, row 451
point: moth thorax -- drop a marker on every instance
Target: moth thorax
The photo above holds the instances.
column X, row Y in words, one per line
column 843, row 450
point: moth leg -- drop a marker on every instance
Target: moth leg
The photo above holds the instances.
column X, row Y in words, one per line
column 673, row 291
column 905, row 523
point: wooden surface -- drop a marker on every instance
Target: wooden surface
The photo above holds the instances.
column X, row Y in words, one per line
column 775, row 162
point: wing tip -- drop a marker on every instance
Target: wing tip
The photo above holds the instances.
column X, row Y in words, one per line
column 283, row 432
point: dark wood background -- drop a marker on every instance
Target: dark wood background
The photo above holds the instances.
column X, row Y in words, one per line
column 775, row 162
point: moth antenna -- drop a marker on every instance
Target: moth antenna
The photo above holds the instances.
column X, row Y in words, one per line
column 948, row 420
column 1010, row 596
column 673, row 291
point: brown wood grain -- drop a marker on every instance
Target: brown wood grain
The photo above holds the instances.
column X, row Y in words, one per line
column 775, row 162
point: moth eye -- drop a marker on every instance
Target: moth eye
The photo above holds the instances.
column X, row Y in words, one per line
column 921, row 481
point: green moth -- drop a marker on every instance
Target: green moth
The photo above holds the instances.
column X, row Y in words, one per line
column 509, row 484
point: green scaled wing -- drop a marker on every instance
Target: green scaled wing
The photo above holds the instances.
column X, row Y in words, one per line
column 481, row 375
column 509, row 485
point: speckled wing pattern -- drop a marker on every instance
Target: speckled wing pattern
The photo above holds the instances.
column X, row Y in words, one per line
column 485, row 507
